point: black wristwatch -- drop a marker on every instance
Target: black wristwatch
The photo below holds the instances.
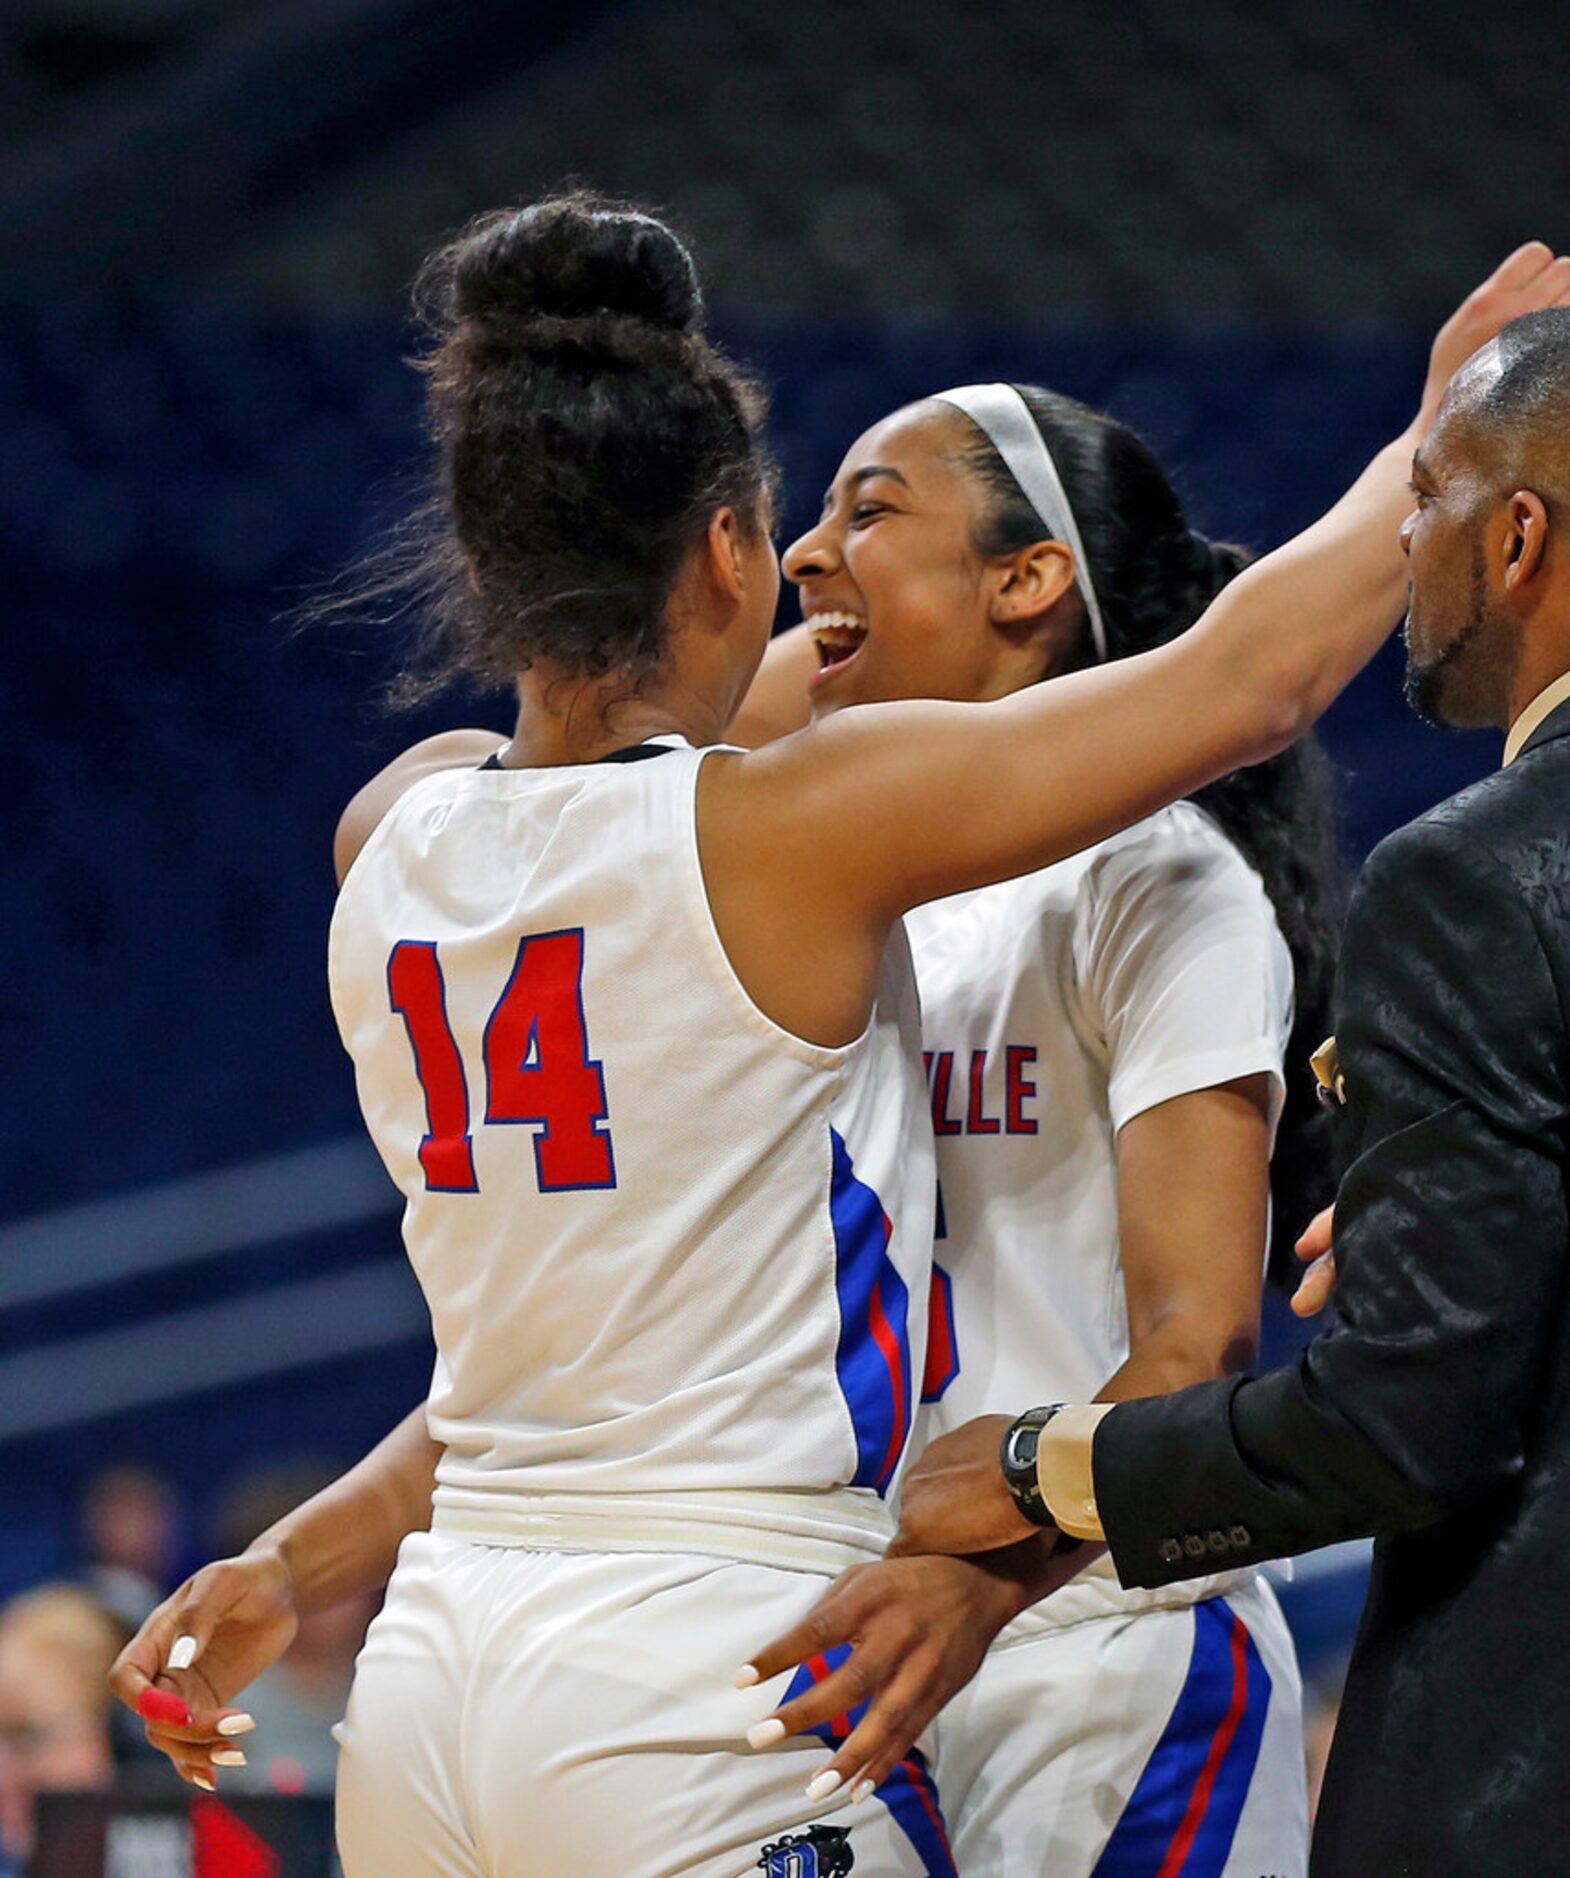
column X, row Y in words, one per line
column 1019, row 1463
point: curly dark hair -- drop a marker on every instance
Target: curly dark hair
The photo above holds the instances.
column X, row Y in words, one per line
column 586, row 432
column 1153, row 577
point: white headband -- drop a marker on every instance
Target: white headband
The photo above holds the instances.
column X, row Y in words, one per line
column 1004, row 416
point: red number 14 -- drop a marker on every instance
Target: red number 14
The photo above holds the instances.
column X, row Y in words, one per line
column 537, row 1065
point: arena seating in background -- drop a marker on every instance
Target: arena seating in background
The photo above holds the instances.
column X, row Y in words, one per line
column 1272, row 161
column 1245, row 160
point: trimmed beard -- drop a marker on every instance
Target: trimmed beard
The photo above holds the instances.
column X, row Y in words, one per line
column 1485, row 650
column 1427, row 687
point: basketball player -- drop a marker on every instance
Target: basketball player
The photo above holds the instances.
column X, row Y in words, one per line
column 1105, row 1042
column 689, row 1399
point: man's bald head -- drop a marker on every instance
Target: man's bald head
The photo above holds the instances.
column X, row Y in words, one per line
column 1510, row 404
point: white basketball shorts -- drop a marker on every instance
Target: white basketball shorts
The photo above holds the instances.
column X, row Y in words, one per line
column 1163, row 1745
column 523, row 1714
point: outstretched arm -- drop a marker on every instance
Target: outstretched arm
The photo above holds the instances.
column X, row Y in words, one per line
column 844, row 818
column 183, row 1669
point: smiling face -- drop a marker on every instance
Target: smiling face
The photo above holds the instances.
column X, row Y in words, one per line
column 1462, row 648
column 900, row 602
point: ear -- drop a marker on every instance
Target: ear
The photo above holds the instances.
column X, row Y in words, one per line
column 1526, row 539
column 726, row 564
column 1030, row 583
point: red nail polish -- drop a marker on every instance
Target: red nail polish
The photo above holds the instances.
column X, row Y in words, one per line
column 162, row 1705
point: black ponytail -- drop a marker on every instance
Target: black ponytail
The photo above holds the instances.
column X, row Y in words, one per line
column 1154, row 576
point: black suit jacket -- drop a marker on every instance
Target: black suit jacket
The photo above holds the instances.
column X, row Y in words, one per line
column 1433, row 1411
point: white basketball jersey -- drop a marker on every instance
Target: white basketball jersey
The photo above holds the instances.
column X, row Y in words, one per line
column 676, row 1258
column 1054, row 1009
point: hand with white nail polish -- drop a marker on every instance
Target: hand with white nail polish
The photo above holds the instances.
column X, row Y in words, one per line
column 235, row 1618
column 215, row 1635
column 905, row 1634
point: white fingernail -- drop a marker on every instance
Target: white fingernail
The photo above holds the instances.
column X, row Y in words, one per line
column 765, row 1733
column 824, row 1785
column 863, row 1790
column 228, row 1757
column 241, row 1724
column 183, row 1655
column 207, row 1785
column 745, row 1677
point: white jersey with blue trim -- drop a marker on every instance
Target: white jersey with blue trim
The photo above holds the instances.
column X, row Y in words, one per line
column 676, row 1258
column 1055, row 1008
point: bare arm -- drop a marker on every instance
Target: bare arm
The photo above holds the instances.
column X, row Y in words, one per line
column 234, row 1618
column 1295, row 690
column 345, row 1539
column 882, row 808
column 1193, row 1198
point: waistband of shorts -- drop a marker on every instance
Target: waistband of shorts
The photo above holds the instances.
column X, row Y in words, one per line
column 811, row 1532
column 1097, row 1594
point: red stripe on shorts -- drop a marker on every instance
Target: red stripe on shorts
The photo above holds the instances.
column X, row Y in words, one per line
column 1199, row 1799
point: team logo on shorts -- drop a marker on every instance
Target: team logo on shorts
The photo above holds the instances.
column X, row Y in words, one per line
column 819, row 1852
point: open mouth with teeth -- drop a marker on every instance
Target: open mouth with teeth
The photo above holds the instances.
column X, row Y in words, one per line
column 838, row 638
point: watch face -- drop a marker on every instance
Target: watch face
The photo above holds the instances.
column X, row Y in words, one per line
column 1019, row 1453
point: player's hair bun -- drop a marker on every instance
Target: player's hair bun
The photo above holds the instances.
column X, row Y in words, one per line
column 587, row 432
column 572, row 258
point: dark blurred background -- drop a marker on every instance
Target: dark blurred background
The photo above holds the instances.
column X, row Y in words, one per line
column 1234, row 223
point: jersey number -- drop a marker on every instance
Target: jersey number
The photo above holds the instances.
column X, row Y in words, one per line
column 537, row 1065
